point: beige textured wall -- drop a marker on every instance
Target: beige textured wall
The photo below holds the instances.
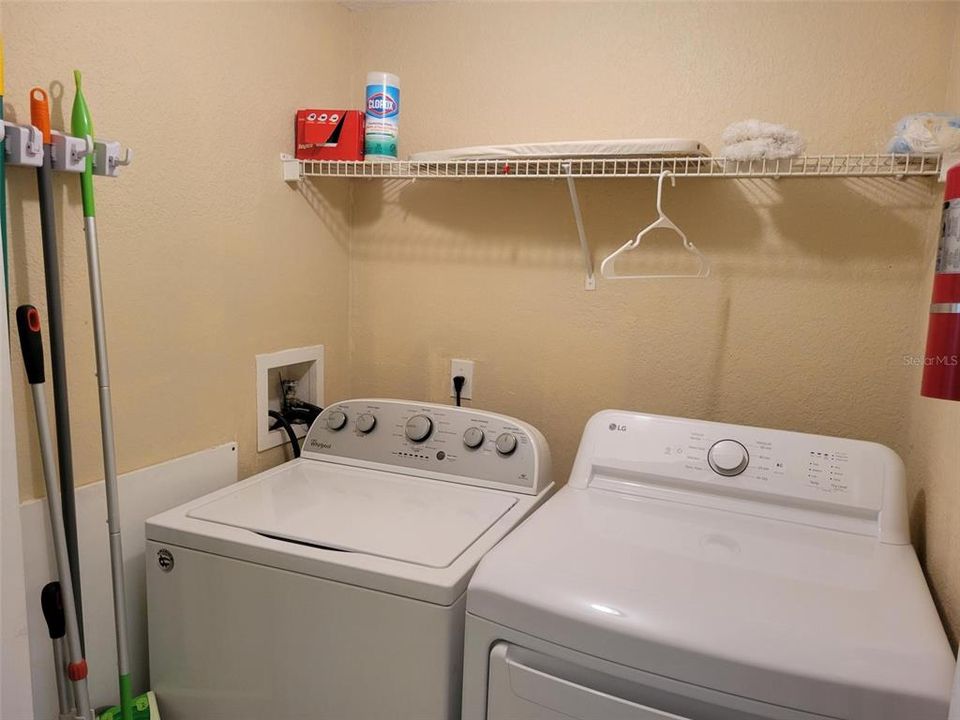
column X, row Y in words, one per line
column 933, row 456
column 953, row 89
column 207, row 257
column 818, row 286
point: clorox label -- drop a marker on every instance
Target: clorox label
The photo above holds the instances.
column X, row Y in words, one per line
column 382, row 105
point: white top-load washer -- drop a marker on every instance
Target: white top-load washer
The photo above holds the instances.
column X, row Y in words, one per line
column 708, row 571
column 333, row 586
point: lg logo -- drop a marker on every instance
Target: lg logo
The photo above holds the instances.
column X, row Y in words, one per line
column 617, row 428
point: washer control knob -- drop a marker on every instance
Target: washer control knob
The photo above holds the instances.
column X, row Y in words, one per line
column 366, row 422
column 728, row 457
column 418, row 428
column 506, row 443
column 473, row 437
column 336, row 420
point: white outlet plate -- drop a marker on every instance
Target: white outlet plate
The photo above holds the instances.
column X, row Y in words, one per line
column 302, row 364
column 465, row 368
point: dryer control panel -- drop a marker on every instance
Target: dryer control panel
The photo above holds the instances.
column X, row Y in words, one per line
column 473, row 446
column 850, row 485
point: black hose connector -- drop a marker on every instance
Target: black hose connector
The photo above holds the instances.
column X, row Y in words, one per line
column 301, row 411
column 294, row 440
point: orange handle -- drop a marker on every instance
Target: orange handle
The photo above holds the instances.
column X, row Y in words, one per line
column 40, row 113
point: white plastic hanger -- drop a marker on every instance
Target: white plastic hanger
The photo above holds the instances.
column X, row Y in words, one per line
column 607, row 268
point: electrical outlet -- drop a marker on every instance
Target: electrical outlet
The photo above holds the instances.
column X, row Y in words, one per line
column 305, row 366
column 465, row 368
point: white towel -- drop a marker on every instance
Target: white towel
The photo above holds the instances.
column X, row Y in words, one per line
column 756, row 140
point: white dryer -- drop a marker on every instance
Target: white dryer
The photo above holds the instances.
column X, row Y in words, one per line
column 704, row 571
column 333, row 586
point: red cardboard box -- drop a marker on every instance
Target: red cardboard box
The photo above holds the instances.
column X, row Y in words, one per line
column 329, row 135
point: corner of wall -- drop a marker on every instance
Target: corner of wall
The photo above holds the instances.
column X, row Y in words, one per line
column 355, row 24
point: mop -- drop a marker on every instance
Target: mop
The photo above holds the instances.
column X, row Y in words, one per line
column 144, row 707
column 31, row 345
column 40, row 117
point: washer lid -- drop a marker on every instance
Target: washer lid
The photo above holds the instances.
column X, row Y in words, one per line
column 812, row 619
column 423, row 522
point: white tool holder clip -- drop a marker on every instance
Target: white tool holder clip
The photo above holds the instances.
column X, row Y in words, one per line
column 107, row 160
column 24, row 145
column 70, row 153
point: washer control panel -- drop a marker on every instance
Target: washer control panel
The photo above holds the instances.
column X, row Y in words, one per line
column 480, row 448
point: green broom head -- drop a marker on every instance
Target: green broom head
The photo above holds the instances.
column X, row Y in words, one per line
column 144, row 708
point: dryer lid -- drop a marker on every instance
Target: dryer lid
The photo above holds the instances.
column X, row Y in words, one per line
column 399, row 517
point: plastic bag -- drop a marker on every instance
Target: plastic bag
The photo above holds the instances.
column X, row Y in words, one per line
column 924, row 133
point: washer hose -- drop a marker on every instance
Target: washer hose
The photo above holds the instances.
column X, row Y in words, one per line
column 294, row 440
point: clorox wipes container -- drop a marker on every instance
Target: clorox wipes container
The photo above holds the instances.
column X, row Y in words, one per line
column 383, row 116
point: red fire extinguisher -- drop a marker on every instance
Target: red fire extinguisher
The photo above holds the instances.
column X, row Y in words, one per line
column 941, row 364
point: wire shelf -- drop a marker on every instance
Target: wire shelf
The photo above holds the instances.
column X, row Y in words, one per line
column 895, row 166
column 572, row 169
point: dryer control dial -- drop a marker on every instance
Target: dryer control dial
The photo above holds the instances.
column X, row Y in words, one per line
column 418, row 428
column 728, row 457
column 336, row 420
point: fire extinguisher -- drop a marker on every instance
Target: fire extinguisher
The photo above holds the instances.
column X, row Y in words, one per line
column 941, row 365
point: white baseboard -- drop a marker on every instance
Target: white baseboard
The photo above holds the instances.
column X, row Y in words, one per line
column 143, row 493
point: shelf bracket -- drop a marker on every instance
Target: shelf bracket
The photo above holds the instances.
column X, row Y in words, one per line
column 591, row 280
column 290, row 169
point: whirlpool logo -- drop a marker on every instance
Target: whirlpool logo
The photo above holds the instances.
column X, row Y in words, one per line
column 165, row 559
column 381, row 105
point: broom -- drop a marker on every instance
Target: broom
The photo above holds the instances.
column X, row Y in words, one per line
column 143, row 707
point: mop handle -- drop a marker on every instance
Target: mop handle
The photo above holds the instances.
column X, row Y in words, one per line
column 40, row 117
column 40, row 113
column 31, row 346
column 81, row 124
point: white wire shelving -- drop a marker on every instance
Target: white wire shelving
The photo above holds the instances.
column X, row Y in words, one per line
column 897, row 167
column 893, row 166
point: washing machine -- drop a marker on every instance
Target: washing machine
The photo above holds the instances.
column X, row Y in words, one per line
column 333, row 586
column 704, row 571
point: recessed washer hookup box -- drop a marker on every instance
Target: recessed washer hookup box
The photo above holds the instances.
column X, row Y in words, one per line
column 329, row 134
